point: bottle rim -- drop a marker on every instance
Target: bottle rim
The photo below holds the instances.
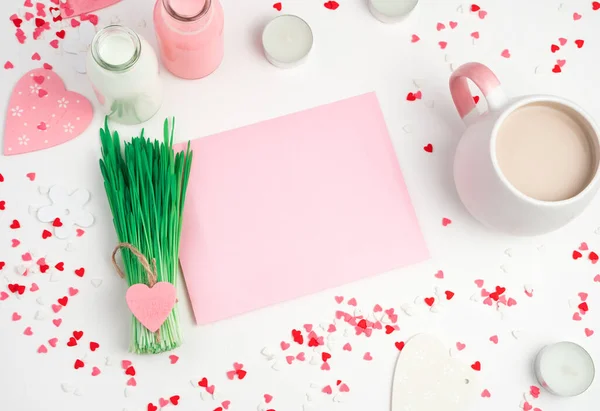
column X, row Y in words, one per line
column 186, row 19
column 109, row 31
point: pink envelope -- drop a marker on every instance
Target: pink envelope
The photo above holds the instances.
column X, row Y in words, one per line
column 292, row 206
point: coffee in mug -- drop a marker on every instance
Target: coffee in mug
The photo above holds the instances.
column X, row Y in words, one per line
column 530, row 164
column 546, row 151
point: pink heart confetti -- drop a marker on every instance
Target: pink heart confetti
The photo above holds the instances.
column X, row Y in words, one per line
column 443, row 44
column 268, row 398
column 576, row 16
column 505, row 53
column 439, row 274
column 131, row 382
column 485, row 394
column 339, row 299
column 352, row 302
column 284, row 345
column 95, row 371
column 28, row 331
column 414, row 38
column 460, row 346
column 347, row 347
column 53, row 342
column 589, row 332
column 446, row 222
column 42, row 349
column 327, row 390
column 173, row 358
column 479, row 283
column 475, row 34
column 494, row 339
column 367, row 356
column 562, row 42
column 453, row 24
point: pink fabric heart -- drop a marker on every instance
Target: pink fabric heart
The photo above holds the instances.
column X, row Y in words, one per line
column 74, row 8
column 151, row 306
column 65, row 114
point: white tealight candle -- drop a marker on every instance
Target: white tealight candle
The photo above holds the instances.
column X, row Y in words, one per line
column 565, row 369
column 392, row 11
column 287, row 40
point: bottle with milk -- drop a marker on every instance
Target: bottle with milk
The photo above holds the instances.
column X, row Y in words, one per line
column 124, row 72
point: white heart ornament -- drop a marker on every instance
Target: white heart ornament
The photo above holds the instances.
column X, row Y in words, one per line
column 427, row 378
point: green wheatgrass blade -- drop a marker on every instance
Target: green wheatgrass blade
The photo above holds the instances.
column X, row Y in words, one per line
column 146, row 185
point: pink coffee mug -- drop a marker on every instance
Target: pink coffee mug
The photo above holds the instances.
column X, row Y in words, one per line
column 482, row 187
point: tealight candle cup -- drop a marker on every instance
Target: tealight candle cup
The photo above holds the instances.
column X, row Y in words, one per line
column 287, row 41
column 392, row 11
column 564, row 369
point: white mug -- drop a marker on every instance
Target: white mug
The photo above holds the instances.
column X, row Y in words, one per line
column 481, row 185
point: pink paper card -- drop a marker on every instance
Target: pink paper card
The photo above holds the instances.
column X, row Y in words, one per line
column 292, row 206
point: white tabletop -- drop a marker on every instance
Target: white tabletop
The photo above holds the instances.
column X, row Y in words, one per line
column 353, row 54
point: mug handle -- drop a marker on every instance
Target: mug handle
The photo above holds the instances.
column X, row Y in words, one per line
column 483, row 78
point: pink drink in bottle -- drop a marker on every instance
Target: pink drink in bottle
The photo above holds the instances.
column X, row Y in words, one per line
column 190, row 36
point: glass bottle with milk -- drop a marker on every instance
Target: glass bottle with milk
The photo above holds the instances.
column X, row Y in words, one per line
column 124, row 72
column 190, row 36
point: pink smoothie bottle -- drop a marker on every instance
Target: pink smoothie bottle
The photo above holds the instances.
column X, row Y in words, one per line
column 190, row 36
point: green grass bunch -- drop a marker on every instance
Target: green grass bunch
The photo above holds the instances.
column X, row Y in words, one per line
column 146, row 183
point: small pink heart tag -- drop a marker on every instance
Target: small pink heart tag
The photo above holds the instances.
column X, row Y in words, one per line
column 40, row 97
column 151, row 306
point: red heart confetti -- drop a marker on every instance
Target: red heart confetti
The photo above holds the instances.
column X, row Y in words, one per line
column 297, row 337
column 556, row 69
column 449, row 295
column 399, row 345
column 130, row 371
column 60, row 34
column 534, row 391
column 47, row 66
column 475, row 7
column 554, row 48
column 80, row 272
column 579, row 43
column 15, row 224
column 78, row 364
column 331, row 5
column 63, row 301
column 325, row 356
column 583, row 307
column 476, row 99
column 151, row 407
column 428, row 148
column 46, row 234
column 78, row 334
column 60, row 266
column 593, row 257
column 72, row 342
column 203, row 383
column 174, row 399
column 446, row 221
column 94, row 346
column 595, row 5
column 277, row 6
column 429, row 301
column 476, row 366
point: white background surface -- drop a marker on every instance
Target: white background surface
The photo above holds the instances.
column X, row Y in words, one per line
column 353, row 53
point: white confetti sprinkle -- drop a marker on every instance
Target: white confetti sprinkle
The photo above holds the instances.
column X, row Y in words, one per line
column 204, row 396
column 324, row 326
column 309, row 397
column 55, row 277
column 67, row 387
column 517, row 334
column 429, row 103
column 419, row 300
column 40, row 315
column 419, row 82
column 115, row 19
column 40, row 300
column 43, row 189
column 128, row 391
column 407, row 128
column 108, row 361
column 21, row 269
column 448, row 58
column 346, row 332
column 70, row 247
column 597, row 231
column 267, row 353
column 508, row 252
column 276, row 366
column 338, row 398
column 314, row 385
column 460, row 9
column 436, row 308
column 408, row 309
column 541, row 248
column 142, row 24
column 476, row 297
column 315, row 360
column 78, row 392
column 358, row 312
column 505, row 269
column 96, row 282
